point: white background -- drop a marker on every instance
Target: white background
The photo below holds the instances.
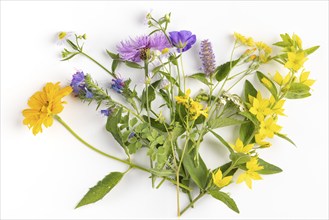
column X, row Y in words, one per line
column 44, row 177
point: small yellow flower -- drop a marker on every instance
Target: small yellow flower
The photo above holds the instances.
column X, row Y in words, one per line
column 243, row 40
column 251, row 173
column 184, row 99
column 298, row 41
column 240, row 148
column 260, row 141
column 260, row 107
column 295, row 60
column 278, row 78
column 44, row 105
column 262, row 46
column 267, row 82
column 268, row 127
column 303, row 78
column 219, row 180
column 196, row 109
column 276, row 106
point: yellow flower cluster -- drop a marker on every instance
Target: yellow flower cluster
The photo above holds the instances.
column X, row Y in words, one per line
column 264, row 51
column 266, row 112
column 251, row 173
column 194, row 108
column 44, row 105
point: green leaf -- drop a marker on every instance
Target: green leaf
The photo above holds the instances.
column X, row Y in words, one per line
column 113, row 55
column 222, row 140
column 171, row 79
column 246, row 132
column 285, row 138
column 69, row 57
column 311, row 50
column 239, row 158
column 133, row 122
column 133, row 65
column 224, row 167
column 199, row 174
column 151, row 94
column 268, row 83
column 114, row 65
column 72, row 44
column 101, row 189
column 225, row 198
column 298, row 91
column 156, row 124
column 223, row 70
column 249, row 89
column 202, row 77
column 223, row 122
column 112, row 126
column 250, row 117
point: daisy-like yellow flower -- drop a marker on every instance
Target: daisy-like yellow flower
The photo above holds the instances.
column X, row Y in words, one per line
column 240, row 148
column 295, row 60
column 251, row 173
column 219, row 180
column 268, row 127
column 248, row 41
column 63, row 36
column 260, row 107
column 303, row 78
column 44, row 105
column 278, row 78
column 276, row 106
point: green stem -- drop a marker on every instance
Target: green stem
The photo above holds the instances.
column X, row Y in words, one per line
column 183, row 72
column 100, row 65
column 193, row 202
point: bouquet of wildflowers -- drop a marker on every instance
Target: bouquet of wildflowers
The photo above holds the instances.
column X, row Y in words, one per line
column 170, row 119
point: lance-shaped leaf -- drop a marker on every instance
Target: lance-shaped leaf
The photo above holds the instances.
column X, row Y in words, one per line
column 223, row 70
column 222, row 140
column 101, row 189
column 202, row 77
column 151, row 94
column 226, row 199
column 267, row 82
column 298, row 91
column 249, row 89
column 223, row 122
column 283, row 136
column 239, row 158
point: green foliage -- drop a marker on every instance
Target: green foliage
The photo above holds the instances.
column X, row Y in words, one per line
column 298, row 91
column 223, row 122
column 268, row 168
column 247, row 132
column 151, row 94
column 269, row 85
column 202, row 77
column 249, row 89
column 283, row 136
column 101, row 189
column 223, row 70
column 225, row 198
column 239, row 158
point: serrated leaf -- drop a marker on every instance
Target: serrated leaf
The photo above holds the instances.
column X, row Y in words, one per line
column 285, row 138
column 223, row 70
column 271, row 86
column 223, row 122
column 202, row 77
column 298, row 91
column 225, row 198
column 103, row 187
column 239, row 158
column 249, row 89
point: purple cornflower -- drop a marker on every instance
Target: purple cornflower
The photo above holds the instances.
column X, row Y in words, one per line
column 78, row 85
column 183, row 40
column 207, row 57
column 107, row 112
column 118, row 85
column 139, row 48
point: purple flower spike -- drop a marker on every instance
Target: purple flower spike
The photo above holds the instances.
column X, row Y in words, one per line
column 183, row 40
column 207, row 57
column 136, row 49
column 118, row 85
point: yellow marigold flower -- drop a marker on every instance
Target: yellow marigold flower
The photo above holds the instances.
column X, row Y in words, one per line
column 295, row 60
column 276, row 106
column 184, row 99
column 251, row 173
column 240, row 148
column 243, row 40
column 268, row 127
column 43, row 105
column 278, row 78
column 219, row 180
column 260, row 107
column 260, row 141
column 297, row 39
column 303, row 78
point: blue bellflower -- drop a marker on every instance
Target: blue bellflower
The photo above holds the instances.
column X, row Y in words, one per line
column 183, row 40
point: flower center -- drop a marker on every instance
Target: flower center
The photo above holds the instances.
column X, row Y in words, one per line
column 62, row 35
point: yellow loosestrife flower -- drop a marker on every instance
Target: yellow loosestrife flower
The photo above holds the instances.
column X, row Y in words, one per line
column 43, row 105
column 184, row 99
column 278, row 78
column 251, row 173
column 303, row 78
column 259, row 138
column 219, row 180
column 298, row 41
column 268, row 127
column 260, row 107
column 276, row 106
column 240, row 148
column 295, row 60
column 248, row 41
